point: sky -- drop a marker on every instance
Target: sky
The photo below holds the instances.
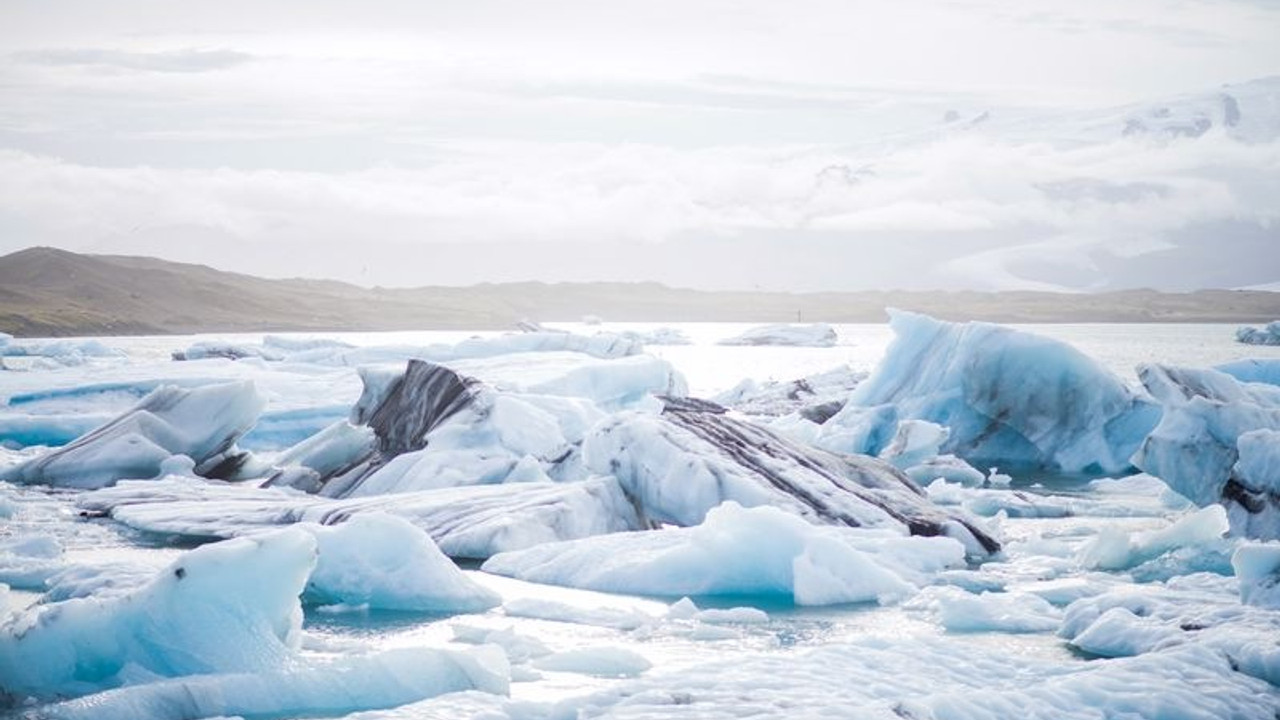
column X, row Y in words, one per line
column 811, row 145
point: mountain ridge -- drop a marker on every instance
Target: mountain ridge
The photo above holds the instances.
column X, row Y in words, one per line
column 52, row 292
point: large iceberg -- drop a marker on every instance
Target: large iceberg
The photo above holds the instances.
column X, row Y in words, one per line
column 201, row 424
column 1009, row 398
column 1215, row 444
column 681, row 463
column 742, row 551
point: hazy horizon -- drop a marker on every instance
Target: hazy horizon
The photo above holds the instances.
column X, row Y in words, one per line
column 820, row 146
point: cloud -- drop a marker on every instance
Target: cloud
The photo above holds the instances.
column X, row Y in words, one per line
column 957, row 211
column 188, row 60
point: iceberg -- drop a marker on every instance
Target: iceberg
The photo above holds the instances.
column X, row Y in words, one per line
column 814, row 335
column 1268, row 334
column 1008, row 398
column 1011, row 612
column 328, row 688
column 681, row 463
column 760, row 551
column 233, row 604
column 384, row 562
column 465, row 522
column 1214, row 444
column 430, row 426
column 201, row 423
column 1253, row 370
column 1193, row 611
column 603, row 346
column 1257, row 567
column 815, row 397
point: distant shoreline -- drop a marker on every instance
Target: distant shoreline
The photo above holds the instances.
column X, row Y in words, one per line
column 46, row 292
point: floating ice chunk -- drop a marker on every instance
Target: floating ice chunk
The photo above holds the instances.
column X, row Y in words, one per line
column 686, row 609
column 685, row 461
column 815, row 397
column 611, row 662
column 606, row 617
column 814, row 335
column 207, row 349
column 657, row 336
column 1193, row 610
column 1253, row 370
column 518, row 647
column 962, row 611
column 466, row 522
column 430, row 427
column 1120, row 633
column 386, row 563
column 59, row 353
column 989, row 503
column 945, row 467
column 1257, row 567
column 319, row 688
column 233, row 604
column 202, row 423
column 1115, row 549
column 1010, row 398
column 740, row 551
column 602, row 345
column 1195, row 448
column 914, row 441
column 28, row 561
column 1258, row 467
column 1268, row 334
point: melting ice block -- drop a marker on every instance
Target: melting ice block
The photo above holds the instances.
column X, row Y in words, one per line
column 815, row 335
column 816, row 397
column 467, row 522
column 1010, row 398
column 200, row 423
column 1216, row 444
column 228, row 607
column 386, row 563
column 680, row 464
column 741, row 551
column 429, row 427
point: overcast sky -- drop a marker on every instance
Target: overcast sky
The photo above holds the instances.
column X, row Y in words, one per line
column 803, row 145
